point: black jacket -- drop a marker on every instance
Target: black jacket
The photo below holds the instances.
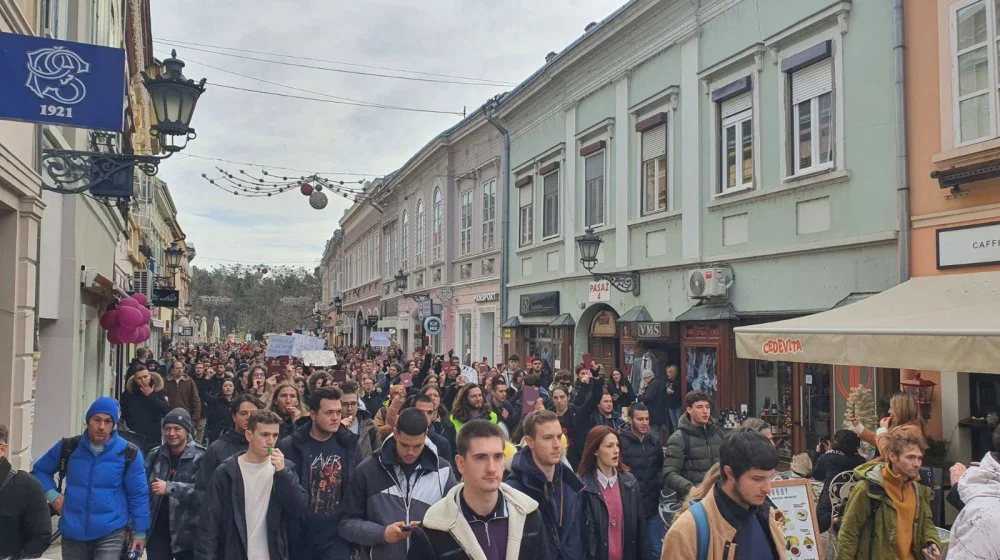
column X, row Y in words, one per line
column 314, row 538
column 597, row 523
column 219, row 415
column 580, row 419
column 645, row 458
column 184, row 499
column 25, row 525
column 143, row 414
column 229, row 443
column 207, row 388
column 560, row 504
column 222, row 527
column 829, row 465
column 655, row 399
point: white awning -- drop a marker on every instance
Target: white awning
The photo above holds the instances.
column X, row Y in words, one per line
column 938, row 323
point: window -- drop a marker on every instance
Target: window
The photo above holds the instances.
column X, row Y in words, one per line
column 403, row 241
column 437, row 225
column 418, row 242
column 654, row 169
column 465, row 234
column 594, row 190
column 489, row 214
column 975, row 92
column 373, row 264
column 812, row 117
column 387, row 272
column 550, row 205
column 736, row 141
column 526, row 215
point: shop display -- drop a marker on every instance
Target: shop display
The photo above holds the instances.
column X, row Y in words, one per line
column 861, row 404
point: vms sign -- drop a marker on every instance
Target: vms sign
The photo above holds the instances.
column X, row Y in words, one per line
column 61, row 82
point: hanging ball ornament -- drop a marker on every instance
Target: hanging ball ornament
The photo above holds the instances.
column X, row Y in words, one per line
column 263, row 271
column 319, row 188
column 317, row 200
column 306, row 189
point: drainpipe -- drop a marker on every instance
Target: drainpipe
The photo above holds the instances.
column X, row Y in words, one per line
column 505, row 221
column 902, row 158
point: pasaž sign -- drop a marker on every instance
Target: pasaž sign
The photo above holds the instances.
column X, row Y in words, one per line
column 166, row 297
column 975, row 245
column 598, row 290
column 433, row 325
column 540, row 304
column 782, row 346
column 61, row 82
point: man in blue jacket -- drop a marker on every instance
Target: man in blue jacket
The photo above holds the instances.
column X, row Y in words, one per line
column 106, row 493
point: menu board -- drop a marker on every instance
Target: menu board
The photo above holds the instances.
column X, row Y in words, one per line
column 797, row 516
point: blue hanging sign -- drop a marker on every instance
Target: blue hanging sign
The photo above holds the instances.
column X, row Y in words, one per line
column 61, row 82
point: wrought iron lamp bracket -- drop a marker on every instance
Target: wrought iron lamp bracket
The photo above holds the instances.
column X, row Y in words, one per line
column 627, row 282
column 69, row 167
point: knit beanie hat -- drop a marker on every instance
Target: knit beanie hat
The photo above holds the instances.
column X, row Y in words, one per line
column 104, row 405
column 180, row 417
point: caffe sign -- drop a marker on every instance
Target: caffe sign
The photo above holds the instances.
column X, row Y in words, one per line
column 975, row 245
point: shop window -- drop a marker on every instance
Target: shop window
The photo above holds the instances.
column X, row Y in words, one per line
column 773, row 387
column 702, row 374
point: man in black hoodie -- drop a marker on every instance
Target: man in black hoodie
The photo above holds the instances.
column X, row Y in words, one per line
column 25, row 525
column 327, row 454
column 230, row 443
column 143, row 406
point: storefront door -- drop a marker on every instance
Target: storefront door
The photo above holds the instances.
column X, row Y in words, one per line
column 815, row 417
column 603, row 340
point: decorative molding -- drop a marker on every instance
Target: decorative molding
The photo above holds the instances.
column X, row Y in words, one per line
column 705, row 88
column 842, row 22
column 758, row 62
column 773, row 55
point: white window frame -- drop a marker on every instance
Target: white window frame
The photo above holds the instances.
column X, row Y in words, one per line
column 603, row 154
column 467, row 205
column 437, row 225
column 814, row 159
column 489, row 214
column 993, row 88
column 736, row 121
column 421, row 232
column 658, row 164
column 404, row 224
column 545, row 203
column 526, row 217
column 387, row 236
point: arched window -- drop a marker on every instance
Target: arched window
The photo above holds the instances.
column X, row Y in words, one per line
column 404, row 227
column 418, row 249
column 438, row 226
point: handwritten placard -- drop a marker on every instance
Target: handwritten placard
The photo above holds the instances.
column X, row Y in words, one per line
column 470, row 374
column 280, row 345
column 322, row 358
column 797, row 506
column 380, row 339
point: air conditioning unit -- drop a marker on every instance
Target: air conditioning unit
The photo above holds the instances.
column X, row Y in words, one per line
column 711, row 282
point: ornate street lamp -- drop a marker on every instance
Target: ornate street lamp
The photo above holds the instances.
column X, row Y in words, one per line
column 400, row 279
column 173, row 256
column 589, row 244
column 103, row 172
column 338, row 304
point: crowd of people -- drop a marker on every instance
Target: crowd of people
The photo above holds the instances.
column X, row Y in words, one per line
column 237, row 456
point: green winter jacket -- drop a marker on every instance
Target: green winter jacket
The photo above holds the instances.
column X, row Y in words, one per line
column 688, row 455
column 866, row 538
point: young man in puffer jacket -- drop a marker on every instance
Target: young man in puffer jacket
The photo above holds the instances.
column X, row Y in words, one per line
column 974, row 533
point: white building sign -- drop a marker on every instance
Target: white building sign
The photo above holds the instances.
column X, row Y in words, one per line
column 599, row 290
column 975, row 245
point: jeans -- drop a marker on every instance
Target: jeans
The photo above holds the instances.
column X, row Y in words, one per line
column 199, row 430
column 656, row 534
column 106, row 548
column 675, row 418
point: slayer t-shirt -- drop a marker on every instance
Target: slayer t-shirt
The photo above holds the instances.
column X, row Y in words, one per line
column 326, row 477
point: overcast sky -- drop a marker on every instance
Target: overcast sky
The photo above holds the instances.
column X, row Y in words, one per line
column 497, row 41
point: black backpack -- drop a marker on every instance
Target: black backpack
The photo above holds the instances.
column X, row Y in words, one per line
column 67, row 448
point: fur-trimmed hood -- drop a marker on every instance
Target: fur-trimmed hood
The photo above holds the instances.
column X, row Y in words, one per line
column 155, row 378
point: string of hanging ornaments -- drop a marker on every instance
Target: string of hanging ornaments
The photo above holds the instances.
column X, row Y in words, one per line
column 269, row 184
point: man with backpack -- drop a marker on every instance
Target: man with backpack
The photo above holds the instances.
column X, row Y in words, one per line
column 106, row 494
column 171, row 469
column 735, row 519
column 693, row 448
column 889, row 512
column 25, row 525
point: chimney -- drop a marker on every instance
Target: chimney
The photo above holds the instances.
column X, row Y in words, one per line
column 590, row 26
column 550, row 57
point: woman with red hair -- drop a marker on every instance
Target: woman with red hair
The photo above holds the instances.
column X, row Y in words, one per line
column 614, row 526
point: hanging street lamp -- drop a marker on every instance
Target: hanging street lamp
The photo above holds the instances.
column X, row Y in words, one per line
column 589, row 244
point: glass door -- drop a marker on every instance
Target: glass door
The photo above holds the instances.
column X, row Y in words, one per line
column 815, row 407
column 773, row 390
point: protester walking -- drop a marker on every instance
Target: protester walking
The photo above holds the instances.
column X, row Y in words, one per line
column 614, row 524
column 693, row 448
column 25, row 525
column 143, row 405
column 106, row 495
column 251, row 499
column 231, row 442
column 218, row 411
column 481, row 518
column 357, row 420
column 391, row 490
column 182, row 392
column 208, row 385
column 643, row 453
column 171, row 470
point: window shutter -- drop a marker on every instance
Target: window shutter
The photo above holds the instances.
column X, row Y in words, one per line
column 654, row 142
column 595, row 166
column 812, row 81
column 737, row 104
column 551, row 184
column 524, row 195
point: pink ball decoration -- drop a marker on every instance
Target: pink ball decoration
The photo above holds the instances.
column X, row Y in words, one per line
column 127, row 336
column 114, row 338
column 110, row 319
column 128, row 302
column 141, row 299
column 144, row 333
column 146, row 315
column 129, row 318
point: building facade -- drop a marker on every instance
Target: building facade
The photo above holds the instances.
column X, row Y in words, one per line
column 21, row 211
column 331, row 282
column 953, row 143
column 734, row 155
column 441, row 230
column 361, row 265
